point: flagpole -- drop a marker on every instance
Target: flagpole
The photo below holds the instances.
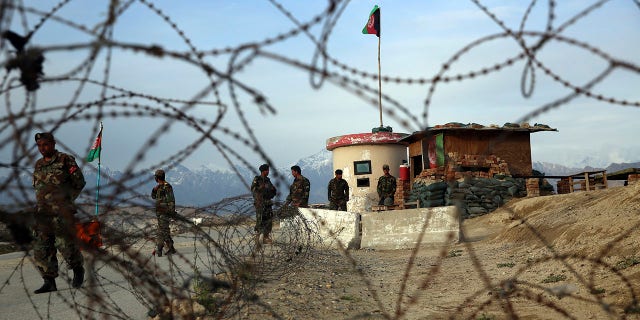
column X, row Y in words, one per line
column 98, row 178
column 373, row 27
column 379, row 84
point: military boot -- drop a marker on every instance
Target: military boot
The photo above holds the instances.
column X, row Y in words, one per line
column 159, row 251
column 48, row 286
column 78, row 277
column 172, row 250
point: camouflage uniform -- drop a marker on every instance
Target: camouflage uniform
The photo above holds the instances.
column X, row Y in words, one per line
column 386, row 187
column 263, row 191
column 165, row 209
column 299, row 192
column 338, row 194
column 57, row 183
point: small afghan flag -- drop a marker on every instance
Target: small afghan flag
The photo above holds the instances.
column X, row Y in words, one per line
column 95, row 148
column 373, row 25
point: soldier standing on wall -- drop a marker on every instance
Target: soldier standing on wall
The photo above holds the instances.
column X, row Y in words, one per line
column 165, row 209
column 263, row 191
column 386, row 187
column 57, row 181
column 338, row 192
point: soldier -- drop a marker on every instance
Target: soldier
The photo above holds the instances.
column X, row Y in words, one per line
column 263, row 191
column 165, row 209
column 386, row 187
column 57, row 181
column 299, row 189
column 338, row 192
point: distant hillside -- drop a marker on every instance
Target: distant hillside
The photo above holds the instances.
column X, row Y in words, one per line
column 199, row 187
column 554, row 169
column 621, row 166
column 202, row 187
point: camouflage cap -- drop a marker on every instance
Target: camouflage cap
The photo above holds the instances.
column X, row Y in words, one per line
column 159, row 173
column 44, row 135
column 385, row 167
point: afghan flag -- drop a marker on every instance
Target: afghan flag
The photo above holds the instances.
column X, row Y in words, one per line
column 373, row 25
column 95, row 148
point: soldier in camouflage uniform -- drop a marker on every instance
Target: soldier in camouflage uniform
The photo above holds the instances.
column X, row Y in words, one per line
column 299, row 189
column 57, row 181
column 386, row 187
column 338, row 192
column 263, row 191
column 165, row 209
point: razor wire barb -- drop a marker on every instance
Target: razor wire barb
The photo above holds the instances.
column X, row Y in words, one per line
column 225, row 257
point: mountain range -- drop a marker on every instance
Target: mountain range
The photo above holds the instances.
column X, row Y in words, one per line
column 202, row 186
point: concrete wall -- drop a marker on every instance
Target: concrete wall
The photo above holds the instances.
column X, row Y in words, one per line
column 385, row 230
column 334, row 228
column 361, row 198
column 401, row 229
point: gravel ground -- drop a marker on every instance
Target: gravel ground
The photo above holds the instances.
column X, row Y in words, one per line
column 329, row 287
column 571, row 256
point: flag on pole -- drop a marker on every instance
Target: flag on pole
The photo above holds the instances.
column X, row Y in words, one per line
column 373, row 24
column 95, row 148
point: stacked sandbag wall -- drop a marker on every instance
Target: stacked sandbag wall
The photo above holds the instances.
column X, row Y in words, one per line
column 429, row 193
column 473, row 196
column 478, row 196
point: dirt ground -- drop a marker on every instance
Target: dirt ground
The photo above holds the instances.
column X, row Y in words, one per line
column 569, row 256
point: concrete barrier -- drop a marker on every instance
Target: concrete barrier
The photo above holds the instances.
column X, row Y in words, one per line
column 332, row 227
column 384, row 230
column 401, row 229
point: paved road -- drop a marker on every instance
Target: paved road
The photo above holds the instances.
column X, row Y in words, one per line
column 119, row 299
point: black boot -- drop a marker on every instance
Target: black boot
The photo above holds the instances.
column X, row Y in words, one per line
column 48, row 286
column 159, row 251
column 172, row 250
column 78, row 277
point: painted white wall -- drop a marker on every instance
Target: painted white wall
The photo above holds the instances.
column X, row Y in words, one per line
column 362, row 198
column 336, row 229
column 384, row 230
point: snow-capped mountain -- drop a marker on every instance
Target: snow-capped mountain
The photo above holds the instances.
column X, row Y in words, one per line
column 318, row 168
column 554, row 169
column 204, row 186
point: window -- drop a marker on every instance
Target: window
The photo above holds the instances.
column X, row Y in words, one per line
column 362, row 167
column 362, row 182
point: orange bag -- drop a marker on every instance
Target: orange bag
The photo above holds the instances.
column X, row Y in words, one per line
column 89, row 233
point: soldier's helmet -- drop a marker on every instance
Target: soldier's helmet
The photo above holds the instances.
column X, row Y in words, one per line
column 159, row 174
column 44, row 135
column 385, row 167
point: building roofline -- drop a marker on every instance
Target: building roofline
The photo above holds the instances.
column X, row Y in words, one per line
column 366, row 138
column 417, row 135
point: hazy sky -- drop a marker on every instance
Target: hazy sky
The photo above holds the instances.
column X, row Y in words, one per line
column 418, row 38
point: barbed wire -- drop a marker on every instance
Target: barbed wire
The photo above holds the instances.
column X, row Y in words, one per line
column 225, row 266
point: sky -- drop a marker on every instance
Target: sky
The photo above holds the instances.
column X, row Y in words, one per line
column 418, row 39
